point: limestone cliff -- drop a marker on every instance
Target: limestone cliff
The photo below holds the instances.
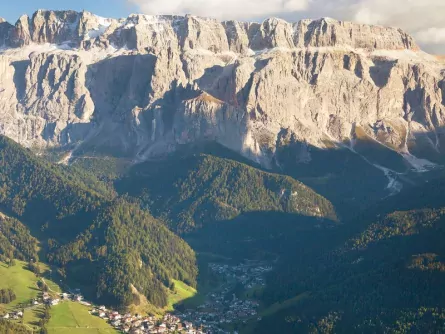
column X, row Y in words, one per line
column 144, row 84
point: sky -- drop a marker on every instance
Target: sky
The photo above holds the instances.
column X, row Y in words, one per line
column 424, row 19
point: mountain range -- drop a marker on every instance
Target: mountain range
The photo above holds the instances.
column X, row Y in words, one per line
column 145, row 84
column 132, row 148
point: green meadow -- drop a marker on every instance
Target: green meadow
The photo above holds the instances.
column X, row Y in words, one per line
column 74, row 318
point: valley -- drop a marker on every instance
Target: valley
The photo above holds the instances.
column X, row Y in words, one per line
column 180, row 174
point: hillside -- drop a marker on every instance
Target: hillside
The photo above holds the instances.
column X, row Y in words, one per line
column 42, row 195
column 381, row 274
column 319, row 193
column 82, row 231
column 192, row 191
column 16, row 241
column 126, row 247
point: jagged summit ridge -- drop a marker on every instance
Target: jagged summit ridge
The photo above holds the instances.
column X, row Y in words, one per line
column 142, row 32
column 144, row 84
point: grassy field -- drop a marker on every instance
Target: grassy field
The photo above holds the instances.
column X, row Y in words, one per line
column 22, row 281
column 32, row 317
column 73, row 318
column 182, row 293
column 53, row 287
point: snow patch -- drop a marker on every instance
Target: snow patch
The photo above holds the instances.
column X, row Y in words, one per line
column 103, row 21
column 103, row 25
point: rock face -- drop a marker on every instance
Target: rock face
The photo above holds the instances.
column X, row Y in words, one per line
column 143, row 85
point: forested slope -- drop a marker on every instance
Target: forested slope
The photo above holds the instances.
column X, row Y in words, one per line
column 194, row 190
column 383, row 274
column 84, row 231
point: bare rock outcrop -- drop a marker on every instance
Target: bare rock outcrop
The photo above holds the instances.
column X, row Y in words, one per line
column 329, row 32
column 144, row 84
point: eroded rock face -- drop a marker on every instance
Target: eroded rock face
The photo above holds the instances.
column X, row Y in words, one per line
column 144, row 84
column 329, row 32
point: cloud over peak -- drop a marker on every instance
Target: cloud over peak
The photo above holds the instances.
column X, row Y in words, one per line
column 221, row 9
column 423, row 19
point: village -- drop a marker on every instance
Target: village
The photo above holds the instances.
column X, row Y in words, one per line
column 222, row 308
column 220, row 312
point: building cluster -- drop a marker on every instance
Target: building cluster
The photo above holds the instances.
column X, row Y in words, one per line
column 219, row 314
column 249, row 273
column 137, row 324
column 222, row 308
column 13, row 315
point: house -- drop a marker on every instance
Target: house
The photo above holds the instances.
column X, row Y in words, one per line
column 19, row 314
column 102, row 314
column 55, row 301
column 6, row 316
column 102, row 308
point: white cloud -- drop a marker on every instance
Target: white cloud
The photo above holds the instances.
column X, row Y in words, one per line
column 432, row 36
column 424, row 19
column 222, row 9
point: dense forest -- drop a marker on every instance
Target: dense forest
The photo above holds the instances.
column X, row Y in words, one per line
column 42, row 195
column 87, row 231
column 16, row 240
column 130, row 248
column 377, row 273
column 194, row 190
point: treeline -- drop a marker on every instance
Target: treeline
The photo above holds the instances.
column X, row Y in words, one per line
column 192, row 191
column 8, row 327
column 44, row 318
column 7, row 296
